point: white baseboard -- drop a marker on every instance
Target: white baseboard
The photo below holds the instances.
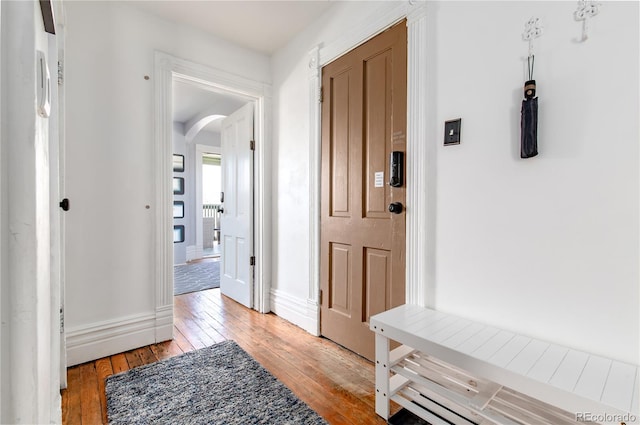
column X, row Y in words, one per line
column 102, row 339
column 164, row 323
column 300, row 312
column 313, row 313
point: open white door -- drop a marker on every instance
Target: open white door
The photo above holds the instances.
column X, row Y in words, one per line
column 236, row 222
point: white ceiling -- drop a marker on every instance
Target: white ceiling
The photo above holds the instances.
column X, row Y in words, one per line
column 262, row 25
column 189, row 101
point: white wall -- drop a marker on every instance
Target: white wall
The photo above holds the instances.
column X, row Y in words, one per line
column 546, row 246
column 110, row 48
column 30, row 388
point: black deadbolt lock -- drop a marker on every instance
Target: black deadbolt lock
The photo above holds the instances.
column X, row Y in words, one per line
column 395, row 207
column 396, row 169
column 64, row 204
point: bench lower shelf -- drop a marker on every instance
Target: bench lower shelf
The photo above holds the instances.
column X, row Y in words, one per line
column 441, row 393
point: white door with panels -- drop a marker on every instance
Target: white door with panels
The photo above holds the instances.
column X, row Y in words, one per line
column 236, row 221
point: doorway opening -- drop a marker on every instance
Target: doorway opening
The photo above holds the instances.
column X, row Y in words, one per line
column 169, row 71
column 211, row 204
column 203, row 273
column 198, row 117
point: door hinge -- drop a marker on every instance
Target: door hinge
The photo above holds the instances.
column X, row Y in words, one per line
column 61, row 320
column 252, row 261
column 321, row 297
column 252, row 145
column 60, row 73
column 321, row 94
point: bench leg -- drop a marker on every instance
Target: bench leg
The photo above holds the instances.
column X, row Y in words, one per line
column 382, row 376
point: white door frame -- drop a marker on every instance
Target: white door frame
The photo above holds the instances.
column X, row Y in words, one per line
column 167, row 68
column 420, row 154
column 59, row 251
column 200, row 150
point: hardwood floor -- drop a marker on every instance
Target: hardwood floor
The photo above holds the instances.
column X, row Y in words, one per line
column 333, row 381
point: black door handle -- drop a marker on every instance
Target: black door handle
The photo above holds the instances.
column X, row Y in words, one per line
column 395, row 207
column 64, row 204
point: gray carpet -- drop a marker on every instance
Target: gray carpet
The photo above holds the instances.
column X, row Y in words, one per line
column 221, row 384
column 196, row 277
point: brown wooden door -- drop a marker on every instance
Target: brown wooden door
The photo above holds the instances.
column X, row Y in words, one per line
column 362, row 243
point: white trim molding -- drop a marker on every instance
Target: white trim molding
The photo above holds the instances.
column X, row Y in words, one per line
column 420, row 190
column 420, row 165
column 164, row 323
column 167, row 69
column 163, row 151
column 296, row 310
column 102, row 339
column 315, row 83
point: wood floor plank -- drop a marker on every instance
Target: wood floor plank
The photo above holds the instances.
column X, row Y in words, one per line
column 333, row 381
column 89, row 394
column 180, row 339
column 133, row 359
column 147, row 356
column 167, row 349
column 72, row 410
column 119, row 363
column 64, row 404
column 103, row 369
column 194, row 333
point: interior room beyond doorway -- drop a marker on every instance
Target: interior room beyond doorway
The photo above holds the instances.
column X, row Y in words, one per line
column 211, row 203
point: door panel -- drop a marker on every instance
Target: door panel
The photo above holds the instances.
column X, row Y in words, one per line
column 236, row 221
column 340, row 284
column 340, row 144
column 362, row 244
column 377, row 269
column 377, row 102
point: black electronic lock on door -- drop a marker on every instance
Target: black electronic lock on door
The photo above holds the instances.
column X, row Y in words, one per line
column 396, row 178
column 396, row 169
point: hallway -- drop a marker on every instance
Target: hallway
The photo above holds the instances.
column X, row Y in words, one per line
column 333, row 381
column 196, row 276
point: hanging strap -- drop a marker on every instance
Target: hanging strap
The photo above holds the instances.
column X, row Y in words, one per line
column 530, row 64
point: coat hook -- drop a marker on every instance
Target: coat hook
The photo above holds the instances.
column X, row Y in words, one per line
column 532, row 29
column 586, row 9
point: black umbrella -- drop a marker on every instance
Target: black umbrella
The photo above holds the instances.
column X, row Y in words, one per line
column 529, row 116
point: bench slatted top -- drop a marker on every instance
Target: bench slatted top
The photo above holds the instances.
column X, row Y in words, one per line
column 570, row 379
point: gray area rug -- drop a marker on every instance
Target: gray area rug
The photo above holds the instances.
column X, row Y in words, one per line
column 221, row 384
column 196, row 277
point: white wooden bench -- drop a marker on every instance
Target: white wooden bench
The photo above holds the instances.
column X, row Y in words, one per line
column 466, row 372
